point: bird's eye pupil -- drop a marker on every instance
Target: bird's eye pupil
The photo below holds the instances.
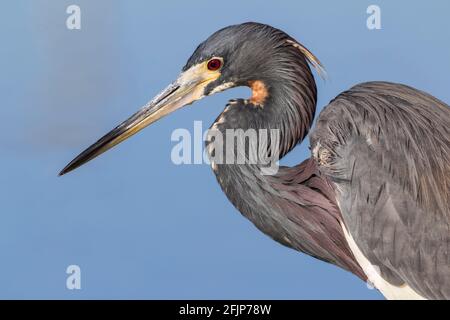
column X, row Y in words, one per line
column 214, row 64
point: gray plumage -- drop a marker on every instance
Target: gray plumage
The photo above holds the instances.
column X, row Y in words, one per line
column 386, row 147
column 380, row 160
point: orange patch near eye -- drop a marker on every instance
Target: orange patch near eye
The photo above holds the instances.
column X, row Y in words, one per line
column 259, row 92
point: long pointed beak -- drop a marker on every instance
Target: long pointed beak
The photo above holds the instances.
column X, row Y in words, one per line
column 188, row 88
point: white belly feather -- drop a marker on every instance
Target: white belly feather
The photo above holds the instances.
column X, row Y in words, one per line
column 390, row 291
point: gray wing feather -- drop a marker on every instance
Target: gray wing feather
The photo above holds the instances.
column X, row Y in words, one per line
column 386, row 147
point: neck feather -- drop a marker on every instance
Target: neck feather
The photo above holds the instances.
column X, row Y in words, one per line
column 296, row 206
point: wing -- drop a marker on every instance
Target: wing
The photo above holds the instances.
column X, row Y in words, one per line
column 386, row 148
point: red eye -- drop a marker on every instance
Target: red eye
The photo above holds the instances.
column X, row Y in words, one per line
column 214, row 64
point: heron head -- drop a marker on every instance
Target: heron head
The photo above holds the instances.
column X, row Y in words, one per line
column 247, row 54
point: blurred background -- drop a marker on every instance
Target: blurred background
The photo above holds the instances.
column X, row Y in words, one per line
column 139, row 226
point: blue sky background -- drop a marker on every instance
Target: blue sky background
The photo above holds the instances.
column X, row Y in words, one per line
column 138, row 225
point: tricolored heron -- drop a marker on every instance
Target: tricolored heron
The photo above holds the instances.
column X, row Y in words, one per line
column 374, row 196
